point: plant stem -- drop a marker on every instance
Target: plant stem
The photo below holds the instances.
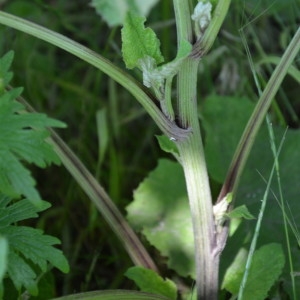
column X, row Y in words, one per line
column 193, row 162
column 203, row 45
column 196, row 177
column 136, row 89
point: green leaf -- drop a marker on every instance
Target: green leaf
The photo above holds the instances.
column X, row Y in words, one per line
column 19, row 141
column 160, row 210
column 21, row 273
column 22, row 139
column 36, row 246
column 241, row 212
column 18, row 211
column 139, row 43
column 27, row 246
column 266, row 267
column 167, row 145
column 149, row 281
column 234, row 273
column 224, row 119
column 115, row 11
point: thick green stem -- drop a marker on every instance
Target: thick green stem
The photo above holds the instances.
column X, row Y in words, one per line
column 193, row 162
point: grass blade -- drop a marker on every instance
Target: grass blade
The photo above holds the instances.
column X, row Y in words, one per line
column 259, row 220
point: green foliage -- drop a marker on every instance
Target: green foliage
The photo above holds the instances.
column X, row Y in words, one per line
column 114, row 11
column 22, row 139
column 166, row 145
column 266, row 267
column 160, row 210
column 149, row 281
column 219, row 145
column 221, row 140
column 27, row 246
column 39, row 72
column 240, row 212
column 160, row 207
column 138, row 42
column 25, row 251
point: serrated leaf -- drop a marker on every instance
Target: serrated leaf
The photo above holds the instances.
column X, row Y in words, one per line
column 15, row 179
column 19, row 270
column 36, row 246
column 160, row 210
column 149, row 281
column 266, row 267
column 21, row 273
column 27, row 246
column 139, row 42
column 241, row 212
column 18, row 211
column 115, row 11
column 22, row 138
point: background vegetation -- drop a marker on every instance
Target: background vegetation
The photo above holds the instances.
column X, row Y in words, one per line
column 94, row 106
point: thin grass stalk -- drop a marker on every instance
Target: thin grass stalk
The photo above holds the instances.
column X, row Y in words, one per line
column 262, row 210
column 282, row 205
column 275, row 168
